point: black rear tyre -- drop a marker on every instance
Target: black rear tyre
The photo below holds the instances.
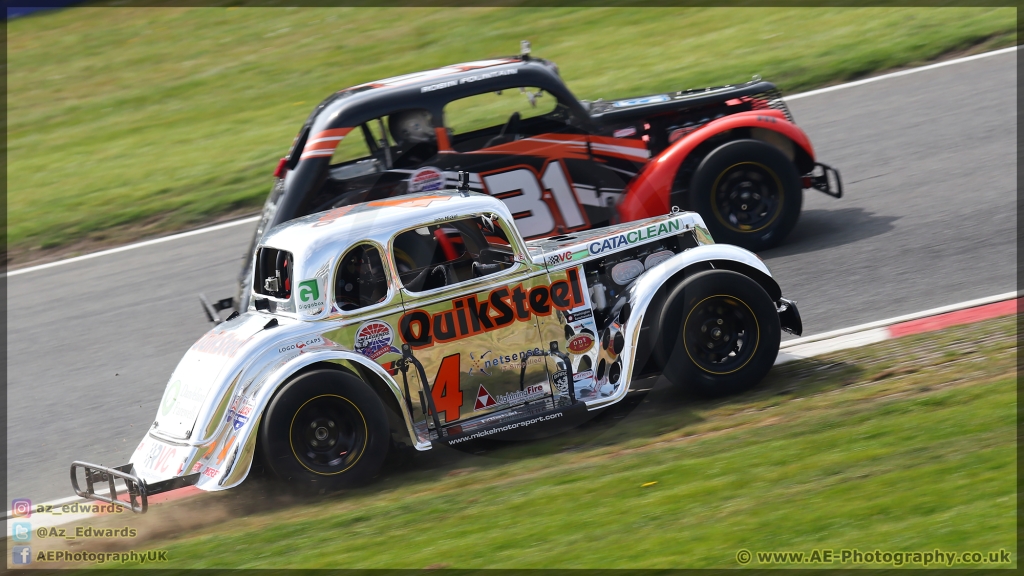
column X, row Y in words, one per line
column 720, row 333
column 748, row 193
column 325, row 430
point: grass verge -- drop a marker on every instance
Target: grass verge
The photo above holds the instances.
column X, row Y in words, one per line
column 907, row 445
column 124, row 122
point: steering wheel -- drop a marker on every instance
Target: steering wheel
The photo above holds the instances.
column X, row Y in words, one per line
column 510, row 128
column 484, row 269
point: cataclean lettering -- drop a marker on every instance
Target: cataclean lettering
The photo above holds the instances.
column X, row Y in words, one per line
column 470, row 315
column 634, row 236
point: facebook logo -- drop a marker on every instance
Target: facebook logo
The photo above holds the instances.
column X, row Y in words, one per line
column 21, row 555
column 21, row 531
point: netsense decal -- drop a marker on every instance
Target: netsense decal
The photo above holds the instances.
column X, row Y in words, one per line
column 634, row 236
column 503, row 306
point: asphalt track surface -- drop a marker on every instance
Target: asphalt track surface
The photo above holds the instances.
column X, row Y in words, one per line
column 929, row 219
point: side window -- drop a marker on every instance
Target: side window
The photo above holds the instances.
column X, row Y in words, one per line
column 495, row 118
column 361, row 281
column 401, row 139
column 273, row 273
column 445, row 254
column 413, row 136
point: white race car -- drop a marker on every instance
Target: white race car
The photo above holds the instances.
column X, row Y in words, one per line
column 427, row 319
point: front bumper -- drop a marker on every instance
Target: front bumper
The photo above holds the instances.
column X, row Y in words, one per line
column 135, row 488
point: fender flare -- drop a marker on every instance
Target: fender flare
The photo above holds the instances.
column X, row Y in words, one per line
column 273, row 381
column 648, row 194
column 654, row 282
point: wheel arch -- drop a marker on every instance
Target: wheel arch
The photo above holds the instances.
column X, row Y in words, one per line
column 343, row 361
column 650, row 325
column 644, row 297
column 665, row 179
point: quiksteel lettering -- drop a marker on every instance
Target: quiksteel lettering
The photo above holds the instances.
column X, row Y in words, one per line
column 503, row 306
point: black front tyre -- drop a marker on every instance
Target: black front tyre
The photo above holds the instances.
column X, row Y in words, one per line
column 720, row 332
column 748, row 193
column 324, row 430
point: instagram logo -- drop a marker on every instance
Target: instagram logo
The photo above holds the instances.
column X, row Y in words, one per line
column 21, row 507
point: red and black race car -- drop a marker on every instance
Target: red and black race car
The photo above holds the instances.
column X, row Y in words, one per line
column 731, row 153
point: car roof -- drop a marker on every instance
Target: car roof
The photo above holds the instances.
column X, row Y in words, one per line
column 317, row 240
column 425, row 78
column 432, row 89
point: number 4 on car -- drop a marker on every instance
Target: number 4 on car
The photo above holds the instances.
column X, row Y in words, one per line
column 427, row 319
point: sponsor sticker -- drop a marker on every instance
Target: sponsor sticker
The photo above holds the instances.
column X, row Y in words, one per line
column 634, row 236
column 472, row 315
column 560, row 381
column 580, row 343
column 515, row 360
column 374, row 339
column 578, row 316
column 243, row 414
column 170, row 398
column 301, row 345
column 584, row 375
column 480, row 363
column 426, row 179
column 483, row 399
column 161, row 458
column 310, row 298
column 640, row 101
column 519, row 396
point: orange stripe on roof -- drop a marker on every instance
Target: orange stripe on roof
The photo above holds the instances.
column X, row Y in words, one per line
column 329, row 133
column 333, row 137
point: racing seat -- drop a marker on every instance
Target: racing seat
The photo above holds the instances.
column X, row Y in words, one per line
column 508, row 133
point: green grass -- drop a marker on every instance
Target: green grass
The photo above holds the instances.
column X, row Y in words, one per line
column 131, row 121
column 908, row 445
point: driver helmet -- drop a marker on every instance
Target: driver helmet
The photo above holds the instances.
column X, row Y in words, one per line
column 411, row 127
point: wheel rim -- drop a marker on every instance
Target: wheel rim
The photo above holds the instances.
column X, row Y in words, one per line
column 328, row 434
column 747, row 197
column 720, row 334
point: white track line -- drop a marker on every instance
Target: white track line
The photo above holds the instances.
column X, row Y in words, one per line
column 870, row 333
column 898, row 319
column 255, row 218
column 900, row 73
column 133, row 246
